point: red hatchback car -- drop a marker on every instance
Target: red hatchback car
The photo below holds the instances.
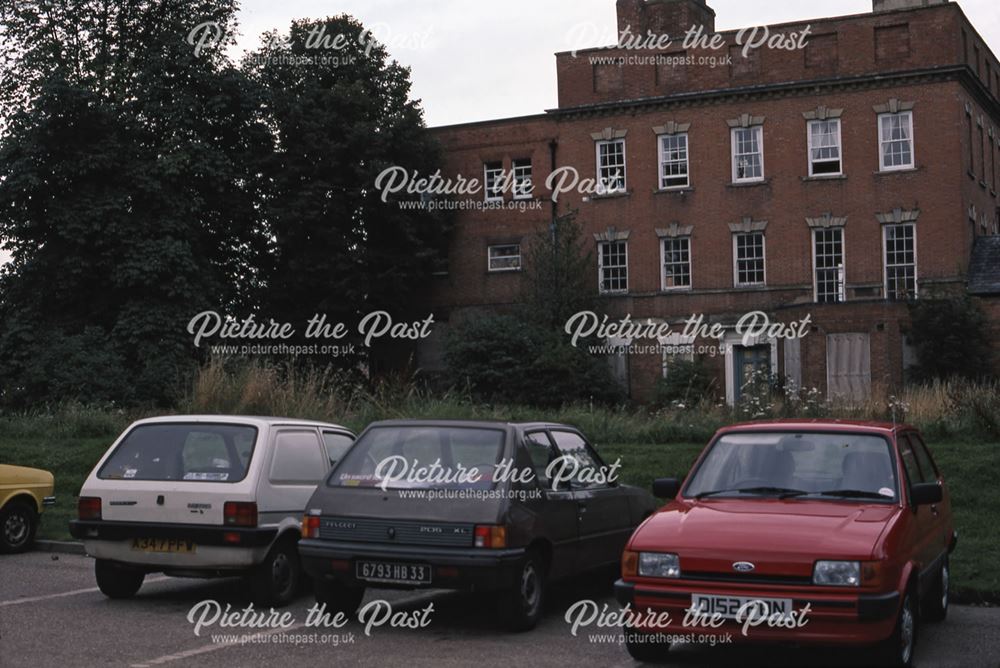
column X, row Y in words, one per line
column 821, row 532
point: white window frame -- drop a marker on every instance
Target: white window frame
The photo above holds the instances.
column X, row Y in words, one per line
column 517, row 166
column 882, row 141
column 885, row 261
column 736, row 261
column 663, row 265
column 499, row 270
column 842, row 277
column 733, row 143
column 486, row 180
column 840, row 148
column 601, row 267
column 663, row 161
column 602, row 189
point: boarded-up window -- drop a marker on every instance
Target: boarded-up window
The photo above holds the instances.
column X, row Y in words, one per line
column 849, row 366
column 671, row 69
column 822, row 52
column 892, row 43
column 608, row 78
column 744, row 66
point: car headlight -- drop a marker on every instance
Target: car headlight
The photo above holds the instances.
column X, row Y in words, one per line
column 837, row 573
column 659, row 565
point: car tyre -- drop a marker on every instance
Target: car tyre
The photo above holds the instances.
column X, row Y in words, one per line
column 521, row 606
column 643, row 646
column 18, row 524
column 897, row 651
column 117, row 581
column 935, row 607
column 275, row 582
column 338, row 597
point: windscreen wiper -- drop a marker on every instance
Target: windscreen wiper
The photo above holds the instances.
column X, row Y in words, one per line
column 780, row 491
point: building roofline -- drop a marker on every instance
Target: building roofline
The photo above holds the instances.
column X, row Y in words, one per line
column 791, row 24
column 714, row 93
column 492, row 121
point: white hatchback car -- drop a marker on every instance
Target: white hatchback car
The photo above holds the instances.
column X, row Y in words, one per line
column 205, row 496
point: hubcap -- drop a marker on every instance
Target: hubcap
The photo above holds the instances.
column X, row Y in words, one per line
column 15, row 529
column 281, row 571
column 530, row 591
column 944, row 587
column 906, row 630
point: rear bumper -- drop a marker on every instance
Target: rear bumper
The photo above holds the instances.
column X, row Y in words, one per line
column 216, row 549
column 48, row 500
column 451, row 568
column 199, row 533
column 833, row 618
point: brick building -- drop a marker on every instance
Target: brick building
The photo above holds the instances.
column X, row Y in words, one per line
column 837, row 180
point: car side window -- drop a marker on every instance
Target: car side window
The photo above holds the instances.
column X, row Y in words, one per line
column 927, row 467
column 910, row 461
column 337, row 444
column 540, row 450
column 573, row 447
column 297, row 458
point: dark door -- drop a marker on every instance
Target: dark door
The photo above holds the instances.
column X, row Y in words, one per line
column 557, row 509
column 602, row 509
column 750, row 362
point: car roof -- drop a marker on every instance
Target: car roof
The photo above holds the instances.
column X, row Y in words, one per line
column 818, row 424
column 255, row 420
column 469, row 423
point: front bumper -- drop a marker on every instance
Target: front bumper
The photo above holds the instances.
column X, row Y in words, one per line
column 834, row 617
column 48, row 501
column 467, row 569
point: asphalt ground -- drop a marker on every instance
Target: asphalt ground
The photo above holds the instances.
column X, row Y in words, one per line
column 51, row 614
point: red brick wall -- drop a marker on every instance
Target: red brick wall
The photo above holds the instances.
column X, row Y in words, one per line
column 940, row 186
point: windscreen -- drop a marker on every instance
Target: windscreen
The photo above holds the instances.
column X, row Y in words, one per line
column 189, row 452
column 797, row 465
column 422, row 458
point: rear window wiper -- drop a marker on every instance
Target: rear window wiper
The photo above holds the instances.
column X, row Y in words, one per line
column 780, row 491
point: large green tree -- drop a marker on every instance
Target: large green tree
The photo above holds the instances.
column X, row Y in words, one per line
column 127, row 193
column 342, row 113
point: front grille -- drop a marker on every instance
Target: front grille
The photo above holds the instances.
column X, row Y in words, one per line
column 747, row 578
column 364, row 530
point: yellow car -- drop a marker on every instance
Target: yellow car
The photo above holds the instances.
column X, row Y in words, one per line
column 23, row 494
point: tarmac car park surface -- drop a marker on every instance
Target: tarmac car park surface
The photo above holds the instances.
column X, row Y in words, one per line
column 51, row 614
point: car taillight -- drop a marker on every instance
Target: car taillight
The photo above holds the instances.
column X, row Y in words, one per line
column 239, row 514
column 310, row 526
column 630, row 564
column 492, row 536
column 89, row 508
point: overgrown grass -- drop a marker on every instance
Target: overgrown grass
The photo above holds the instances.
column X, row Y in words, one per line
column 652, row 443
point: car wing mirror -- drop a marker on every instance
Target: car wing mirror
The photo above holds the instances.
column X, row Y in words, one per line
column 926, row 494
column 666, row 488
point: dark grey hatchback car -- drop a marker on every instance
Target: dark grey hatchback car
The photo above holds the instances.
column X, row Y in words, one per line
column 480, row 506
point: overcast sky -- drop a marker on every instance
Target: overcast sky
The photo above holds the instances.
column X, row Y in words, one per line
column 476, row 60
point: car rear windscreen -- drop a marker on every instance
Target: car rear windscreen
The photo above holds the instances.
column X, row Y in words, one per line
column 422, row 458
column 186, row 452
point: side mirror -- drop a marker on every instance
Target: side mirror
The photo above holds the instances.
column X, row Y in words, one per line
column 666, row 488
column 926, row 494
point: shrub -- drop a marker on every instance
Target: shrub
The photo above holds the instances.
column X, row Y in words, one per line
column 502, row 358
column 687, row 383
column 951, row 339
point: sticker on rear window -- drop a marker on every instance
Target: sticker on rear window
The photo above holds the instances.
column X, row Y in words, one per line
column 207, row 477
